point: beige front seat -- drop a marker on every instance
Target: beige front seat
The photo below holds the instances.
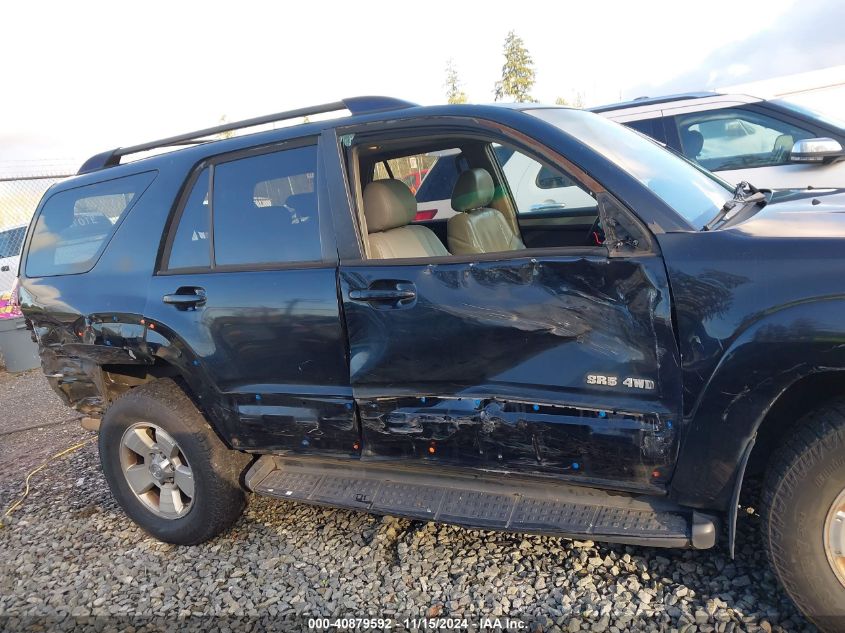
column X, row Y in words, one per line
column 390, row 207
column 476, row 228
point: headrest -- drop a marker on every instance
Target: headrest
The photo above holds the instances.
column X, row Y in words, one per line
column 473, row 190
column 692, row 142
column 388, row 204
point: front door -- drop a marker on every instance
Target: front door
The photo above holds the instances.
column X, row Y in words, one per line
column 248, row 290
column 559, row 362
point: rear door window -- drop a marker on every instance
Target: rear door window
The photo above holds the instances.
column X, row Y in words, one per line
column 264, row 209
column 74, row 225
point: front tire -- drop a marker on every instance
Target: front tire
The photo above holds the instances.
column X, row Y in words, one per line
column 167, row 468
column 803, row 513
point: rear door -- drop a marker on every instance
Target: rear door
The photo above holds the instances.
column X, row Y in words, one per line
column 559, row 362
column 247, row 291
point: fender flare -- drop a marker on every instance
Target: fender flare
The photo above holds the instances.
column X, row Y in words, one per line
column 768, row 356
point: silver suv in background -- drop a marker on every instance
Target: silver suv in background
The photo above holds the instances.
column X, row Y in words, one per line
column 772, row 144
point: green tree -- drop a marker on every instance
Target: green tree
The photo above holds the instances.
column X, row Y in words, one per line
column 517, row 73
column 578, row 102
column 453, row 84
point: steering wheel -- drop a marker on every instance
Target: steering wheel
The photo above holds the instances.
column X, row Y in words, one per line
column 596, row 236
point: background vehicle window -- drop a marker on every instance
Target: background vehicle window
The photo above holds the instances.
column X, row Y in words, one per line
column 540, row 189
column 265, row 209
column 649, row 127
column 734, row 138
column 191, row 244
column 11, row 242
column 74, row 225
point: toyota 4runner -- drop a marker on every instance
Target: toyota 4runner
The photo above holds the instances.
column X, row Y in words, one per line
column 264, row 313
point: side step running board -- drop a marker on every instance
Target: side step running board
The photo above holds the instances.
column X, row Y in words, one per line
column 492, row 501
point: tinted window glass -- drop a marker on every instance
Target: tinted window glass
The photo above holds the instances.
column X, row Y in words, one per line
column 74, row 225
column 191, row 244
column 441, row 178
column 265, row 209
column 734, row 138
column 646, row 126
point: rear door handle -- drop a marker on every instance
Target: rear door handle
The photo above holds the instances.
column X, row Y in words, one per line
column 186, row 297
column 397, row 293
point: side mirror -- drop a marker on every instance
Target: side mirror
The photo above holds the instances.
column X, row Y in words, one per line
column 816, row 150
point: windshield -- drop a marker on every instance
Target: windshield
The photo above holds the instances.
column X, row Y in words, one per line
column 810, row 113
column 687, row 190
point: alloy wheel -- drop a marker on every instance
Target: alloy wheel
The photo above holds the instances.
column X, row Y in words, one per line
column 156, row 470
column 834, row 537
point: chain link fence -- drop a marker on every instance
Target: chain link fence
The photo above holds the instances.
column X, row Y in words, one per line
column 19, row 196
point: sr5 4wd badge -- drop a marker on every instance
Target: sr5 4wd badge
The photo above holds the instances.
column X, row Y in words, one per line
column 613, row 381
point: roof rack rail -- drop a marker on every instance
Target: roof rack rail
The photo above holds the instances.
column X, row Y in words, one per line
column 355, row 105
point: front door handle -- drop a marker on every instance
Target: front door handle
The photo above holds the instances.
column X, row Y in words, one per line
column 398, row 293
column 186, row 297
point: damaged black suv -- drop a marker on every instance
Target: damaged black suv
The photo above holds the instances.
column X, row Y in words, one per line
column 605, row 349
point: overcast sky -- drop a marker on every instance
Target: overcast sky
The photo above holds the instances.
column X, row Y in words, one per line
column 81, row 77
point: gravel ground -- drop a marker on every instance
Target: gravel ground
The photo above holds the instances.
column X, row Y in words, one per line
column 70, row 559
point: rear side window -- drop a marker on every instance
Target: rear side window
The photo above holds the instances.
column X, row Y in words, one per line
column 75, row 225
column 192, row 242
column 264, row 209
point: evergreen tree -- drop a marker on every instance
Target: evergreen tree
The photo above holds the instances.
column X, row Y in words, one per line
column 517, row 73
column 454, row 94
column 227, row 133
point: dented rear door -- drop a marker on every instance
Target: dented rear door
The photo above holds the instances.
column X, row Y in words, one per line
column 557, row 364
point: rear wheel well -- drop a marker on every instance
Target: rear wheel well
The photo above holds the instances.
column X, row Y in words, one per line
column 810, row 392
column 118, row 379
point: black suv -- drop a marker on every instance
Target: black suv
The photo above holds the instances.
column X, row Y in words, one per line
column 263, row 312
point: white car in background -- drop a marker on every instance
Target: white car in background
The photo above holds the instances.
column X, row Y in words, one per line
column 773, row 144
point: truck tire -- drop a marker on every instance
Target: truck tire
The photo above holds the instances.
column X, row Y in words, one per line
column 167, row 468
column 803, row 512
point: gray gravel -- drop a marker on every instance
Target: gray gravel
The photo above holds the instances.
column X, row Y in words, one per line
column 69, row 558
